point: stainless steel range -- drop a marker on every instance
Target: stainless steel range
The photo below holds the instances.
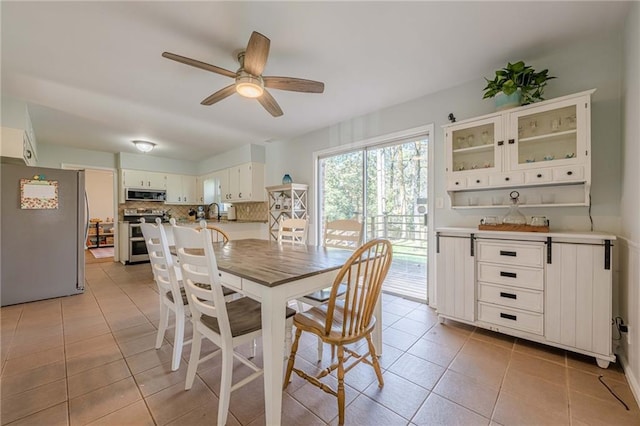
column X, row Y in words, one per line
column 137, row 246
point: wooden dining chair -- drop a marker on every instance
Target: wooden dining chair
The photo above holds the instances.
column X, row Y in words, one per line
column 292, row 231
column 171, row 295
column 344, row 322
column 217, row 234
column 344, row 234
column 226, row 324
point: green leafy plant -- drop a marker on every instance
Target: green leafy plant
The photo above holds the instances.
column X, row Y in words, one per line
column 518, row 76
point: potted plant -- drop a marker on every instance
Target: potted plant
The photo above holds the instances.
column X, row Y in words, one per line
column 516, row 84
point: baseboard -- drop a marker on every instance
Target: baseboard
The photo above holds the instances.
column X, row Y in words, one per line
column 634, row 384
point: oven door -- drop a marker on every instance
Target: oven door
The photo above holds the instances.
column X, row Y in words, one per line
column 137, row 246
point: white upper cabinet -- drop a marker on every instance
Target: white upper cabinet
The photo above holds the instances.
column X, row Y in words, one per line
column 242, row 183
column 181, row 189
column 543, row 144
column 18, row 140
column 142, row 179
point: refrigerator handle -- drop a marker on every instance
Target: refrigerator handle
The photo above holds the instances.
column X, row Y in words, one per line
column 86, row 220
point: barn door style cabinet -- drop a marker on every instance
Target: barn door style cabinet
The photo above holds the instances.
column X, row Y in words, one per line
column 543, row 148
column 553, row 288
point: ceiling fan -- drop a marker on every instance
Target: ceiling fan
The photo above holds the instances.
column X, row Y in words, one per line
column 249, row 80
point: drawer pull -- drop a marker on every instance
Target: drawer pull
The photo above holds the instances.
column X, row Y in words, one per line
column 539, row 175
column 508, row 253
column 506, row 178
column 508, row 274
column 508, row 295
column 508, row 316
column 477, row 180
column 569, row 172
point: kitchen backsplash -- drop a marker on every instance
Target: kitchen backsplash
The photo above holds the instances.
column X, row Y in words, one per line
column 252, row 211
column 244, row 211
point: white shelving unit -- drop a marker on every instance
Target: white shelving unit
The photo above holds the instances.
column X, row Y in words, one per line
column 289, row 201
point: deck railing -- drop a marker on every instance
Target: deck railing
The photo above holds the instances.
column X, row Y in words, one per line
column 407, row 233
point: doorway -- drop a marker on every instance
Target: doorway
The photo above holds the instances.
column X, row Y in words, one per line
column 101, row 211
column 385, row 186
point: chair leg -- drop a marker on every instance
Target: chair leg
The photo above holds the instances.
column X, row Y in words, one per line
column 225, row 384
column 340, row 385
column 320, row 347
column 288, row 337
column 178, row 341
column 194, row 359
column 252, row 349
column 292, row 358
column 163, row 324
column 374, row 361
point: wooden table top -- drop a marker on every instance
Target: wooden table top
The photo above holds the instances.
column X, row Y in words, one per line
column 272, row 264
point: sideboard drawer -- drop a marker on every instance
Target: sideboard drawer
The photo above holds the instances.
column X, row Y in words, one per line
column 513, row 318
column 511, row 254
column 511, row 297
column 511, row 275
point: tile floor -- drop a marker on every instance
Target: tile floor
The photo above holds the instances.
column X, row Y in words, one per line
column 89, row 359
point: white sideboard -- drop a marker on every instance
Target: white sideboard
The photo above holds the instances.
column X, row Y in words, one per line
column 553, row 288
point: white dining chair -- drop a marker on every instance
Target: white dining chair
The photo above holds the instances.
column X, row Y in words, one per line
column 226, row 324
column 171, row 295
column 292, row 231
column 344, row 234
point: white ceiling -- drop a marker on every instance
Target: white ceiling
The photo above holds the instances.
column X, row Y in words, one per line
column 93, row 76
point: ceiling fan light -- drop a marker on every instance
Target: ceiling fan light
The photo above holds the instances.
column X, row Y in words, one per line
column 249, row 86
column 144, row 146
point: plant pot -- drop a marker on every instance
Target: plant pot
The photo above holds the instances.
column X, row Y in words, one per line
column 508, row 101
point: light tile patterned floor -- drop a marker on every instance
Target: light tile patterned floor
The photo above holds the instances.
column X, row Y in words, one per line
column 89, row 359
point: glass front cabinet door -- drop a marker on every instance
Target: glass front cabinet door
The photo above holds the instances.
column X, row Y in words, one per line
column 549, row 143
column 533, row 146
column 473, row 152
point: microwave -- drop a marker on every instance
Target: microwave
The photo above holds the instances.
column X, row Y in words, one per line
column 133, row 194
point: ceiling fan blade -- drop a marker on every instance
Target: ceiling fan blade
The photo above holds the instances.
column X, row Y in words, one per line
column 293, row 84
column 270, row 104
column 198, row 64
column 255, row 57
column 220, row 95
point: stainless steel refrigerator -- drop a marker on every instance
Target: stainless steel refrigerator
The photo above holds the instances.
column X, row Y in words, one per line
column 42, row 253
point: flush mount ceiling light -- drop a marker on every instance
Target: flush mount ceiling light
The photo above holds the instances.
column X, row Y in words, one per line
column 144, row 146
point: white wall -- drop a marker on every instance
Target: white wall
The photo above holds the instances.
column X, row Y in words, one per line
column 593, row 63
column 55, row 155
column 99, row 187
column 629, row 244
column 152, row 163
column 240, row 155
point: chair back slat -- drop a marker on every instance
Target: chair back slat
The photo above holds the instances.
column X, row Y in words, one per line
column 200, row 275
column 343, row 233
column 292, row 231
column 363, row 275
column 160, row 258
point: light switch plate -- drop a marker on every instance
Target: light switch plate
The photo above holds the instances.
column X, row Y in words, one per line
column 439, row 203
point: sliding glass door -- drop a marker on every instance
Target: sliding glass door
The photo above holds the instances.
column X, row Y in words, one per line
column 385, row 187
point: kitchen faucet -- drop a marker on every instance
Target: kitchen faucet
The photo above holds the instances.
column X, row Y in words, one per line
column 217, row 210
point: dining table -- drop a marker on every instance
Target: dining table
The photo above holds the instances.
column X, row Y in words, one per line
column 274, row 273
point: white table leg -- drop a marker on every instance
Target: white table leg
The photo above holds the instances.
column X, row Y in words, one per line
column 273, row 336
